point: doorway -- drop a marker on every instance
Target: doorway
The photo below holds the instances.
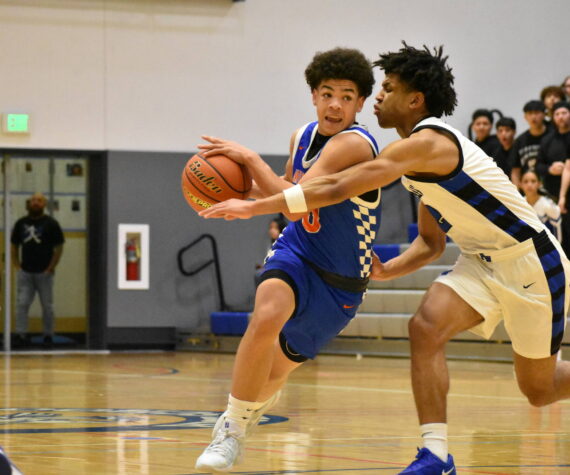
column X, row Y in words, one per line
column 63, row 177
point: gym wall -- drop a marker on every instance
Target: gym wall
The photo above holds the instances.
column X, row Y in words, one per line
column 144, row 79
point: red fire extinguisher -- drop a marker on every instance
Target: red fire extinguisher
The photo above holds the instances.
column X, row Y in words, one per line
column 133, row 259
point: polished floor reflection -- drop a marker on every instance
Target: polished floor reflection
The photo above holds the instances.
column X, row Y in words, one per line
column 152, row 413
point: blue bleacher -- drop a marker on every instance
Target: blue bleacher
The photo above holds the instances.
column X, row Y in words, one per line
column 386, row 251
column 228, row 323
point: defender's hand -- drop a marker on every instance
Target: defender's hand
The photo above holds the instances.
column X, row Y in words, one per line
column 228, row 210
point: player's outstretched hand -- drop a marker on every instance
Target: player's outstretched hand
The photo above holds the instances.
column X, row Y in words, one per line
column 228, row 210
column 237, row 152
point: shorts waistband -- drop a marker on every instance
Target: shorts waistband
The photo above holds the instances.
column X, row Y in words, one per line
column 538, row 241
column 348, row 284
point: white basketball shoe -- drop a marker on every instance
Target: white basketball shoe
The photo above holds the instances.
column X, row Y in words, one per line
column 225, row 451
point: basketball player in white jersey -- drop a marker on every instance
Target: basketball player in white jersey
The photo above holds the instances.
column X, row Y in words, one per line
column 511, row 267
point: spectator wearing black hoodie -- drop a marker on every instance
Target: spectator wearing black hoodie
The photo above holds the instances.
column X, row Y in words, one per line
column 525, row 148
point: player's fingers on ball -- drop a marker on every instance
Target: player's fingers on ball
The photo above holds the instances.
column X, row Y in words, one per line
column 204, row 146
column 205, row 213
column 215, row 211
column 213, row 150
column 215, row 214
column 216, row 140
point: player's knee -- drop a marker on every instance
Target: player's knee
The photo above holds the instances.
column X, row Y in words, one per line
column 423, row 332
column 538, row 396
column 267, row 321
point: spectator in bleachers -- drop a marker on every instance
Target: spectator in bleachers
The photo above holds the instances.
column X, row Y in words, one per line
column 566, row 87
column 550, row 163
column 525, row 148
column 546, row 209
column 550, row 95
column 481, row 125
column 503, row 153
column 561, row 139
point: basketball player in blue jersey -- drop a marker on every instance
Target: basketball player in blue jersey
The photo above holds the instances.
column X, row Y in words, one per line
column 511, row 267
column 317, row 271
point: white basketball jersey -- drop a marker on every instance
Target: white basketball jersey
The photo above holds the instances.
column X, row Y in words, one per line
column 476, row 204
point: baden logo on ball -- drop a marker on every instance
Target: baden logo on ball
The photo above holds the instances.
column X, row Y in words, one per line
column 210, row 180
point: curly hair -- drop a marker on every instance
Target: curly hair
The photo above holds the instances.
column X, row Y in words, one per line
column 556, row 90
column 341, row 63
column 425, row 72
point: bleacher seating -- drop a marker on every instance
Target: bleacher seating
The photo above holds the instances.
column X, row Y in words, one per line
column 387, row 308
column 389, row 305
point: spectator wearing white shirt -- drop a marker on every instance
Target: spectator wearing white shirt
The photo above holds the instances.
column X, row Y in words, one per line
column 546, row 209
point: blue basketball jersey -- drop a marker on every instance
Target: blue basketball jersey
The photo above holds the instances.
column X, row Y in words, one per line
column 336, row 238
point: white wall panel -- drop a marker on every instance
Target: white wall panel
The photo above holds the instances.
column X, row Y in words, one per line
column 154, row 75
column 52, row 66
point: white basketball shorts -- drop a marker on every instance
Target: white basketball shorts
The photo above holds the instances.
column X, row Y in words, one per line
column 525, row 284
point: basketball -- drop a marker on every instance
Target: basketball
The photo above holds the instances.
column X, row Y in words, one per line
column 210, row 180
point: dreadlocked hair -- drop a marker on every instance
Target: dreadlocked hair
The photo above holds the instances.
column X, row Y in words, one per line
column 341, row 63
column 425, row 72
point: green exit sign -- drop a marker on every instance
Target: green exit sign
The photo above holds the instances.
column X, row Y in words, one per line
column 16, row 123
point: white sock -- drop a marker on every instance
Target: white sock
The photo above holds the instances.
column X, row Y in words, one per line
column 270, row 399
column 435, row 439
column 240, row 411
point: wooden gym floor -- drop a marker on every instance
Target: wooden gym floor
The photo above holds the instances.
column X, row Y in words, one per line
column 149, row 413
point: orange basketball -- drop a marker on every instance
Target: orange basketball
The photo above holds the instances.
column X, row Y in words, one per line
column 209, row 180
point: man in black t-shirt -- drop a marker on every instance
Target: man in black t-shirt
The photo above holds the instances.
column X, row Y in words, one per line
column 525, row 148
column 41, row 240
